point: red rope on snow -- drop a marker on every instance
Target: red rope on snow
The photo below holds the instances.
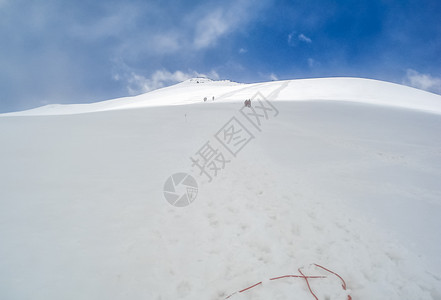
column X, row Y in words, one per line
column 250, row 287
column 342, row 280
column 307, row 282
column 298, row 276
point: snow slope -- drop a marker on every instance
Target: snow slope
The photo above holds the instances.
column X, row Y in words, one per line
column 348, row 179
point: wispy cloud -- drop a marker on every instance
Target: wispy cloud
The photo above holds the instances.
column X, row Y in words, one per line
column 304, row 38
column 294, row 38
column 273, row 76
column 312, row 62
column 215, row 22
column 210, row 28
column 423, row 81
column 290, row 37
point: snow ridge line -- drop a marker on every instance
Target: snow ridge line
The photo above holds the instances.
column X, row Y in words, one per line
column 297, row 276
column 277, row 91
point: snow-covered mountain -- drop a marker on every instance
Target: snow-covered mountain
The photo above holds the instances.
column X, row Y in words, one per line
column 340, row 172
column 196, row 89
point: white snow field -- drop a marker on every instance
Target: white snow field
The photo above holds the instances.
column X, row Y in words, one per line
column 347, row 175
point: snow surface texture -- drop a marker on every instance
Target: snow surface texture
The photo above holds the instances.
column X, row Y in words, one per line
column 349, row 185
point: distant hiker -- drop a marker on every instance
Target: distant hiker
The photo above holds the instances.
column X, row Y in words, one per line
column 248, row 103
column 205, row 99
column 213, row 98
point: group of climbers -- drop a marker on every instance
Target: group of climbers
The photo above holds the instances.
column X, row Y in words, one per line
column 205, row 99
column 247, row 102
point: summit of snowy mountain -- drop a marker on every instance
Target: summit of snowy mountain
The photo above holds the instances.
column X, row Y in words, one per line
column 205, row 80
column 197, row 80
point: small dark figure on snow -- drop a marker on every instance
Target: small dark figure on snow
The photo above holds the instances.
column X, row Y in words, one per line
column 248, row 103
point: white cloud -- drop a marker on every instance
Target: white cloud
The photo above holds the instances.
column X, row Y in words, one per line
column 423, row 81
column 210, row 28
column 304, row 38
column 216, row 22
column 137, row 84
column 242, row 51
column 294, row 38
column 192, row 31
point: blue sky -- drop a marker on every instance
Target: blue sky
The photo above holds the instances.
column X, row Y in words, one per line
column 54, row 51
